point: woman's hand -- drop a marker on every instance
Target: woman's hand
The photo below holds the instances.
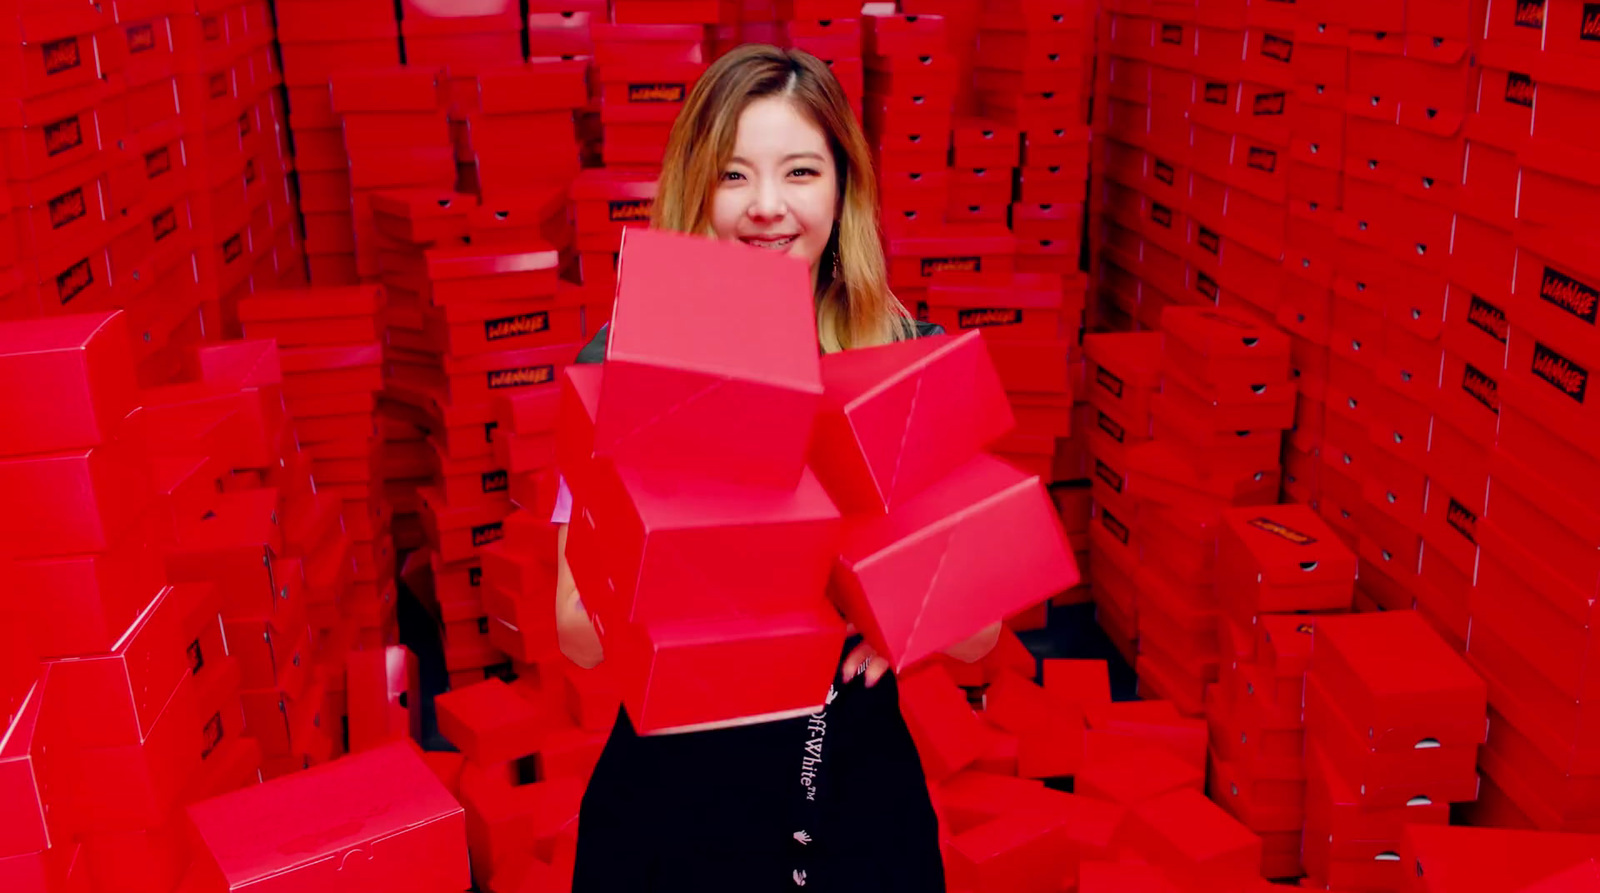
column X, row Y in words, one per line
column 864, row 660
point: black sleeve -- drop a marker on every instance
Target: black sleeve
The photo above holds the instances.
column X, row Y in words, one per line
column 595, row 350
column 926, row 329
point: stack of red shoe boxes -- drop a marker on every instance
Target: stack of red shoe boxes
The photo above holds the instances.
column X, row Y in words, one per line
column 516, row 112
column 228, row 89
column 411, row 220
column 963, row 19
column 1124, row 379
column 112, row 728
column 1408, row 92
column 909, row 108
column 61, row 126
column 1539, row 523
column 560, row 30
column 1216, row 432
column 462, row 41
column 1394, row 718
column 1276, row 567
column 645, row 71
column 604, row 202
column 151, row 184
column 527, row 764
column 396, row 135
column 318, row 39
column 1030, row 80
column 338, row 327
column 1311, row 174
column 831, row 31
column 497, row 331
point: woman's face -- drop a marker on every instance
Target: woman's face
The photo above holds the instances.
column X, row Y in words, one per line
column 779, row 192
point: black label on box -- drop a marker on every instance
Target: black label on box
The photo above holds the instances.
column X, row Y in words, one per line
column 164, row 223
column 1590, row 28
column 141, row 39
column 1165, row 173
column 521, row 377
column 1463, row 519
column 219, row 85
column 931, row 265
column 1208, row 240
column 1216, row 93
column 157, row 162
column 1109, row 425
column 1171, row 33
column 494, row 481
column 1274, row 47
column 63, row 136
column 1487, row 317
column 1481, row 388
column 474, row 576
column 67, row 207
column 233, row 248
column 74, row 280
column 984, row 317
column 1262, row 159
column 1108, row 475
column 652, row 93
column 513, row 326
column 1519, row 89
column 1283, row 531
column 197, row 657
column 1117, row 528
column 488, row 431
column 1206, row 286
column 1161, row 214
column 633, row 210
column 1569, row 294
column 212, row 736
column 1568, row 377
column 1530, row 14
column 1110, row 382
column 61, row 55
column 211, row 26
column 1267, row 104
column 484, row 534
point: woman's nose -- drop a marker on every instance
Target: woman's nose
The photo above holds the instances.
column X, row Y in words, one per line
column 767, row 201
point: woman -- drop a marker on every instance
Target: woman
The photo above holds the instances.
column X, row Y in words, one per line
column 766, row 151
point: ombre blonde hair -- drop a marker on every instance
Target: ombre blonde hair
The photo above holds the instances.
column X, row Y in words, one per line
column 854, row 308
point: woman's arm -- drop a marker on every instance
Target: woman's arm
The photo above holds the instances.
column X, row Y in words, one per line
column 574, row 631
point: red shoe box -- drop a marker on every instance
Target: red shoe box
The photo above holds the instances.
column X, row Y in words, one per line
column 647, row 44
column 1282, row 559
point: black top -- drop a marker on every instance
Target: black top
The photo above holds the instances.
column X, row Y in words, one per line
column 721, row 810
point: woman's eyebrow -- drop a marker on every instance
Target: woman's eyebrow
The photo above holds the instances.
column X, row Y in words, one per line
column 792, row 156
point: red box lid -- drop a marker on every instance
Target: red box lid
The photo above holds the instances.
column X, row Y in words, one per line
column 398, row 89
column 1392, row 672
column 312, row 303
column 473, row 261
column 912, row 240
column 534, row 86
column 600, row 184
column 1125, row 359
column 955, row 288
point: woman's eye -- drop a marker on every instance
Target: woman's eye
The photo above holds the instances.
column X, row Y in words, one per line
column 803, row 172
column 731, row 175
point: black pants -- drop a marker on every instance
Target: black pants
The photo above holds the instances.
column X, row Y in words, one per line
column 718, row 810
